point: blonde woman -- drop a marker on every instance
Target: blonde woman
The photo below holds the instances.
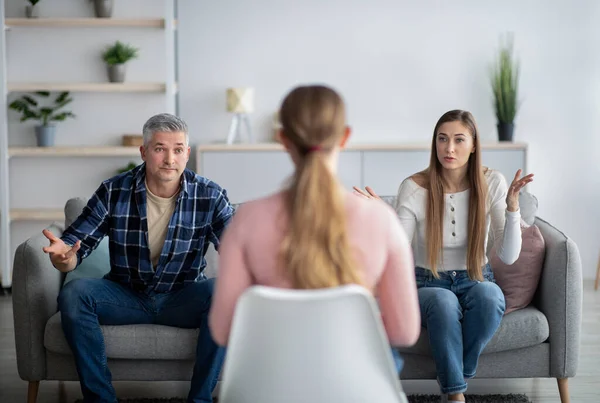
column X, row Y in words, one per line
column 449, row 209
column 314, row 233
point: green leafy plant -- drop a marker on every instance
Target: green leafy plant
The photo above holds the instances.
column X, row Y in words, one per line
column 505, row 83
column 119, row 53
column 30, row 108
column 129, row 167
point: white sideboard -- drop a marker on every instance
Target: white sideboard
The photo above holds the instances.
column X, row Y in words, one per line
column 249, row 171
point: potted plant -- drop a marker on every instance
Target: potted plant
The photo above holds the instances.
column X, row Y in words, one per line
column 115, row 57
column 30, row 108
column 103, row 8
column 31, row 10
column 505, row 86
column 128, row 167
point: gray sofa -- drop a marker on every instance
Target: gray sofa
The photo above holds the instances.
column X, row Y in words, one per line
column 541, row 340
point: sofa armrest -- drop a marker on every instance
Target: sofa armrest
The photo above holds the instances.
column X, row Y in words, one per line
column 559, row 297
column 36, row 284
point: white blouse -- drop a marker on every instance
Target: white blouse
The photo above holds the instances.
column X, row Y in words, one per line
column 506, row 229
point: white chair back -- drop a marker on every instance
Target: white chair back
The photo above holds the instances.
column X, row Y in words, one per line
column 309, row 346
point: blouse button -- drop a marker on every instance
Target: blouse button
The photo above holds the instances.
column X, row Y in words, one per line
column 454, row 234
column 451, row 208
column 453, row 222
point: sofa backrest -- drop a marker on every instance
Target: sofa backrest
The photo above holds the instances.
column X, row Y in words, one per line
column 528, row 204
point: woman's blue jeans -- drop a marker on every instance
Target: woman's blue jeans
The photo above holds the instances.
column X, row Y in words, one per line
column 461, row 316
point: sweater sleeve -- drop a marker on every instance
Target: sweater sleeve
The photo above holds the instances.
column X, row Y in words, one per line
column 397, row 289
column 506, row 225
column 233, row 279
column 405, row 209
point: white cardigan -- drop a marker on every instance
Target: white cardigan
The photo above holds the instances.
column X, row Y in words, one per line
column 506, row 229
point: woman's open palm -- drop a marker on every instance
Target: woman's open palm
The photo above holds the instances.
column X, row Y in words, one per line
column 512, row 196
column 368, row 193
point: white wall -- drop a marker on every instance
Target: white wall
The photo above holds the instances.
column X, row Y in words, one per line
column 74, row 55
column 400, row 65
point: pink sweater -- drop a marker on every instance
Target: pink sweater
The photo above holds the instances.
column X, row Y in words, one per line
column 250, row 245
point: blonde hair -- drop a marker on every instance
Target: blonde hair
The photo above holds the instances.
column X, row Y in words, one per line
column 315, row 252
column 433, row 181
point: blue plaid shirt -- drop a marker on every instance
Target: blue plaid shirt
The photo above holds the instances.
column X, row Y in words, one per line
column 118, row 209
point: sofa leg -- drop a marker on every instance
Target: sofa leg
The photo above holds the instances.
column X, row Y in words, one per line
column 62, row 392
column 32, row 391
column 563, row 390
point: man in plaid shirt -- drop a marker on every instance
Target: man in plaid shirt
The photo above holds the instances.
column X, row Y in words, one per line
column 160, row 218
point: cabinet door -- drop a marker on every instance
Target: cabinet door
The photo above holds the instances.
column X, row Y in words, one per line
column 248, row 175
column 385, row 170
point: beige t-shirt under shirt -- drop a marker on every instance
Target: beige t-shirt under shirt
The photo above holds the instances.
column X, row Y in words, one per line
column 159, row 212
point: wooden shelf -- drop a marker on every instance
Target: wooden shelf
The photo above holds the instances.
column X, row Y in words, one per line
column 88, row 87
column 116, row 151
column 24, row 214
column 85, row 22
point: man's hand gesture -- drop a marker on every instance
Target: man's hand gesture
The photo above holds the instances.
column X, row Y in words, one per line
column 63, row 257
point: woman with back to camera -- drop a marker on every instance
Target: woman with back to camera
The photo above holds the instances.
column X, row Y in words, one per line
column 449, row 207
column 315, row 234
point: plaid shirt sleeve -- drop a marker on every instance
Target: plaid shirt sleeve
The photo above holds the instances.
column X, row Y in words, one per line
column 223, row 214
column 91, row 225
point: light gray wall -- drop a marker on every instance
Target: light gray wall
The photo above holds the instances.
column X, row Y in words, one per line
column 74, row 55
column 400, row 65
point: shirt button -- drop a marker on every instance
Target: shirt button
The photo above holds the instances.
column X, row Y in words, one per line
column 454, row 234
column 452, row 196
column 453, row 222
column 452, row 209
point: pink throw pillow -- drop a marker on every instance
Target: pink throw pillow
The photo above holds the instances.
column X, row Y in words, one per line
column 519, row 281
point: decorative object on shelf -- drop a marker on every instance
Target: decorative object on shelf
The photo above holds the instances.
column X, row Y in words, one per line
column 115, row 57
column 31, row 109
column 276, row 126
column 240, row 101
column 103, row 8
column 128, row 167
column 133, row 140
column 505, row 86
column 31, row 11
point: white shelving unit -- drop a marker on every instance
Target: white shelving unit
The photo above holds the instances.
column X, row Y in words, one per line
column 169, row 88
column 85, row 22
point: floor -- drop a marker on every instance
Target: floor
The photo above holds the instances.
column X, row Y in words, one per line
column 583, row 388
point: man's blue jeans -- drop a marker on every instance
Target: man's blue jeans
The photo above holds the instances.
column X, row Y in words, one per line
column 461, row 316
column 85, row 304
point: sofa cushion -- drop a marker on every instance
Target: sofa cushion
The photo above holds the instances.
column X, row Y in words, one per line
column 132, row 341
column 523, row 328
column 519, row 281
column 73, row 208
column 95, row 265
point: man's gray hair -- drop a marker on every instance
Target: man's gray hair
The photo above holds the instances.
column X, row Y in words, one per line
column 164, row 122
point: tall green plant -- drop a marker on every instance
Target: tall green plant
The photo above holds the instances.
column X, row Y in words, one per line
column 119, row 53
column 505, row 83
column 31, row 109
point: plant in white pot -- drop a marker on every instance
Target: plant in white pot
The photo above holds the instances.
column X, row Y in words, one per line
column 31, row 11
column 115, row 57
column 505, row 86
column 30, row 108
